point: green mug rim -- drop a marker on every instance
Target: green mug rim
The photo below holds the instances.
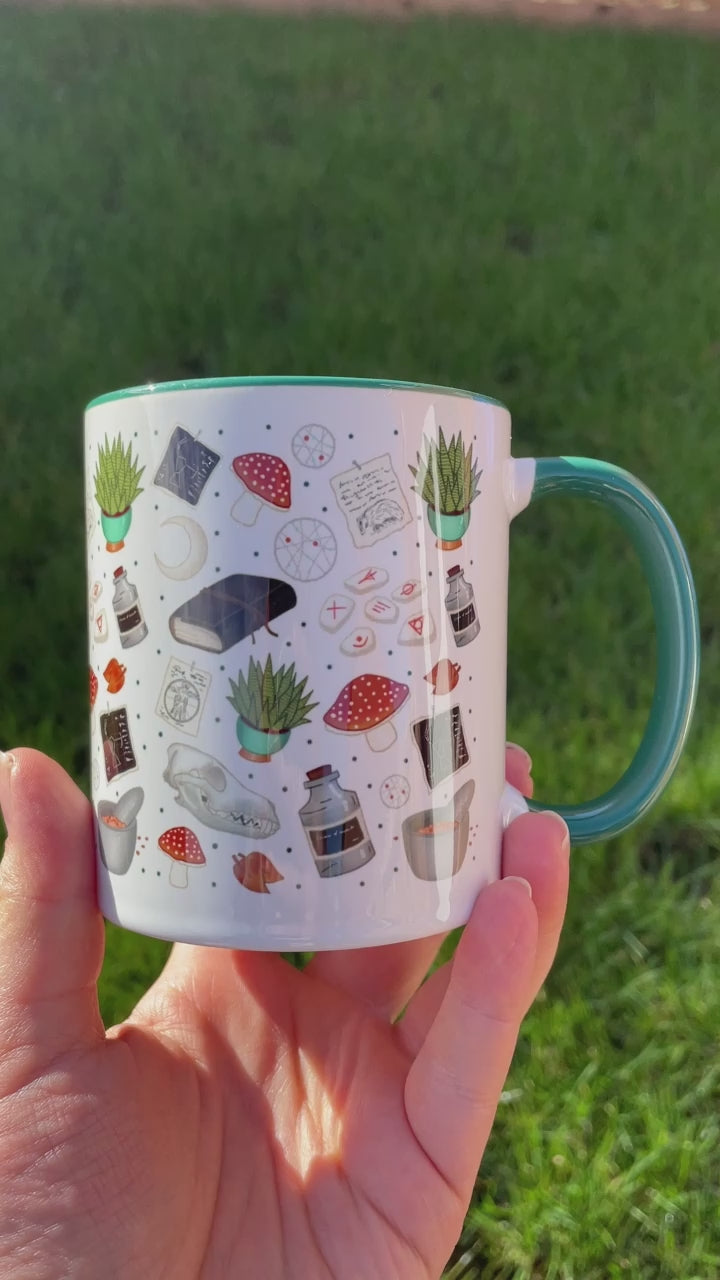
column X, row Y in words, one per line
column 286, row 380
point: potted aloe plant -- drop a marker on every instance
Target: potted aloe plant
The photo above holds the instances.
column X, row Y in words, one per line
column 446, row 478
column 117, row 485
column 269, row 704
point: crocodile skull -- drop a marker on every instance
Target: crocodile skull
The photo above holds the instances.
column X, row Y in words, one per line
column 215, row 797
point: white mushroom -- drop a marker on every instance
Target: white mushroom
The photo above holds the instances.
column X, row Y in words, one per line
column 265, row 479
column 367, row 705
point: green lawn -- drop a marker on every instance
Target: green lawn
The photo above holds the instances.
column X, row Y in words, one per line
column 532, row 214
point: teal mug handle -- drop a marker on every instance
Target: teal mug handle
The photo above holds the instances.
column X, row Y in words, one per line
column 665, row 563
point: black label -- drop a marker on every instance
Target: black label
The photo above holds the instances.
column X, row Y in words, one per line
column 333, row 840
column 463, row 619
column 130, row 619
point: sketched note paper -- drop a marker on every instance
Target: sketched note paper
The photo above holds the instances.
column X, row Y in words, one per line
column 371, row 500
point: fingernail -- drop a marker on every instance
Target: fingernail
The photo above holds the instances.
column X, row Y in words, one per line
column 7, row 764
column 565, row 846
column 519, row 880
column 513, row 746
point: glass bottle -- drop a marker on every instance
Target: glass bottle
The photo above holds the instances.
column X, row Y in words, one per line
column 126, row 604
column 334, row 824
column 460, row 605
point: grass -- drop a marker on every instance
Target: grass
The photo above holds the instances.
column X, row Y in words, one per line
column 530, row 213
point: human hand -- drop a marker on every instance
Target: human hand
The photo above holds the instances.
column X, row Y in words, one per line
column 248, row 1119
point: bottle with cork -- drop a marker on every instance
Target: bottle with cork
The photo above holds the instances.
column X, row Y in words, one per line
column 460, row 606
column 131, row 623
column 334, row 824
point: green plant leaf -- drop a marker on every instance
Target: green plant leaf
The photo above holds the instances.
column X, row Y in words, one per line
column 117, row 476
column 269, row 699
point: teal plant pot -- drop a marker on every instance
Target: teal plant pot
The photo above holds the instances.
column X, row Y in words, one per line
column 259, row 745
column 448, row 529
column 115, row 527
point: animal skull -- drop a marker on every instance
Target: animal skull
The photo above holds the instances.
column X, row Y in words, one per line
column 215, row 797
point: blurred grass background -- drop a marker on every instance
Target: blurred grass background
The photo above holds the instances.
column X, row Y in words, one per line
column 529, row 213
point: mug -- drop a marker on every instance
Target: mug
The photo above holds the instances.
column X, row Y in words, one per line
column 299, row 587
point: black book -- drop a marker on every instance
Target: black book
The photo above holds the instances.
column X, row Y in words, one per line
column 230, row 610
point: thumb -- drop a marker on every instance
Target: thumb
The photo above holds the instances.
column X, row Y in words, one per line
column 51, row 932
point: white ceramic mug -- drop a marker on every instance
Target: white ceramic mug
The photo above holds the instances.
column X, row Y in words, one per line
column 297, row 620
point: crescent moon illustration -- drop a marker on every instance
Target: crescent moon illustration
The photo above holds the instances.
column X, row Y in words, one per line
column 197, row 550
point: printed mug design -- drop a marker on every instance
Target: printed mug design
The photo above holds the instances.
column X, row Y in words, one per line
column 436, row 840
column 230, row 610
column 358, row 643
column 186, row 466
column 441, row 742
column 371, row 500
column 269, row 705
column 418, row 629
column 100, row 627
column 380, row 609
column 334, row 824
column 254, row 871
column 195, row 555
column 444, row 676
column 128, row 610
column 305, row 549
column 183, row 695
column 313, row 446
column 408, row 591
column 118, row 750
column 446, row 478
column 114, row 675
column 363, row 504
column 117, row 485
column 214, row 796
column 335, row 612
column 367, row 580
column 117, row 830
column 395, row 791
column 265, row 482
column 367, row 705
column 460, row 607
column 183, row 847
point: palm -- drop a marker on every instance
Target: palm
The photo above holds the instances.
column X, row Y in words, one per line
column 250, row 1119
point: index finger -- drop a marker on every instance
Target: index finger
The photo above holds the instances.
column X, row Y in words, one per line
column 386, row 977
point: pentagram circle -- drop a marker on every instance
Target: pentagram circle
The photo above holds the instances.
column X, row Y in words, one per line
column 313, row 445
column 305, row 549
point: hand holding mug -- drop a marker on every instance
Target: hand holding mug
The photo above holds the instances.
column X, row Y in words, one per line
column 248, row 1118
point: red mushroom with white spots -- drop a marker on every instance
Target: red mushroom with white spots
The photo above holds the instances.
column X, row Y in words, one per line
column 182, row 845
column 367, row 705
column 265, row 480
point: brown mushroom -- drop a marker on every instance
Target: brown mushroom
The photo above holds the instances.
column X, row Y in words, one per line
column 367, row 705
column 265, row 479
column 182, row 845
